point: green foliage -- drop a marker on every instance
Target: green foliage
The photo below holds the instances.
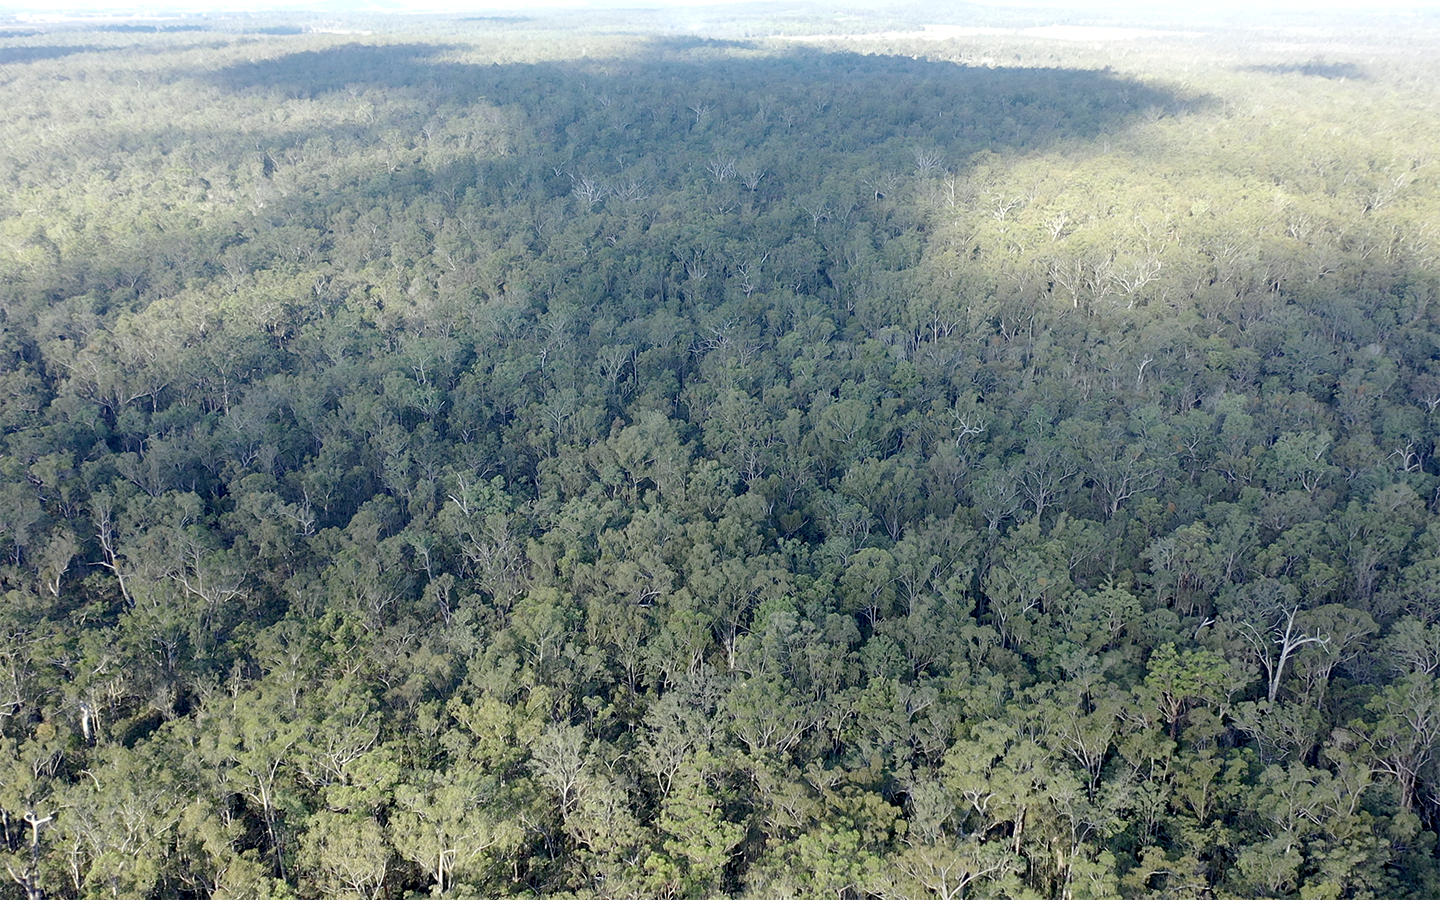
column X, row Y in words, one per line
column 486, row 457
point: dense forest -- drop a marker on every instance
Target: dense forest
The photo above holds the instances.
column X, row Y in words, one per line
column 584, row 457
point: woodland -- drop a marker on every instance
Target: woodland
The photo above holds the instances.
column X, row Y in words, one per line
column 605, row 456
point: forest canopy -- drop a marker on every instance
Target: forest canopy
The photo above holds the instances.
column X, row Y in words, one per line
column 566, row 456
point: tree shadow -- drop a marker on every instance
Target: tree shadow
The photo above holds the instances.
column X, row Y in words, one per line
column 675, row 125
column 733, row 93
column 1315, row 68
column 312, row 73
column 21, row 55
column 138, row 28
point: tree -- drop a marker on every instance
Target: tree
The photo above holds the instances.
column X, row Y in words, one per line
column 252, row 736
column 1177, row 680
column 1029, row 578
column 29, row 806
column 945, row 870
column 1275, row 638
column 1301, row 459
column 1402, row 731
column 119, row 822
column 1347, row 631
column 698, row 840
column 347, row 853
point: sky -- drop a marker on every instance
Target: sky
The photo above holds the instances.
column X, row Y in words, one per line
column 1138, row 8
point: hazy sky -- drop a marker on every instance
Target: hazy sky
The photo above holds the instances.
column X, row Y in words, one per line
column 1138, row 8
